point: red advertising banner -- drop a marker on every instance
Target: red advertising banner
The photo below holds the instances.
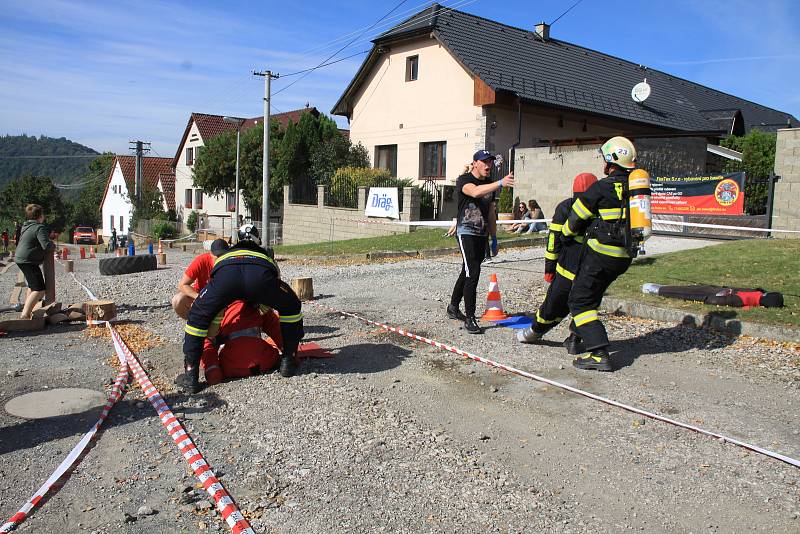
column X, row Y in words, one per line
column 699, row 195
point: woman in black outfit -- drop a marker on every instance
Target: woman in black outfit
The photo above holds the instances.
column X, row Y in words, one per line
column 475, row 205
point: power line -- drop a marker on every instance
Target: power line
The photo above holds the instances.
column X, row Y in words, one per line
column 323, row 65
column 309, row 71
column 565, row 12
column 52, row 157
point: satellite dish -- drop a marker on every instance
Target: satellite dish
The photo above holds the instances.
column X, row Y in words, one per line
column 640, row 91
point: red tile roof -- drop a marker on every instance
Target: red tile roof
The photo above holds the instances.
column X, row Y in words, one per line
column 154, row 171
column 211, row 126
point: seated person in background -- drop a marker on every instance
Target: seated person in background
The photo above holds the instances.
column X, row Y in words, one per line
column 536, row 213
column 243, row 351
column 520, row 213
column 195, row 278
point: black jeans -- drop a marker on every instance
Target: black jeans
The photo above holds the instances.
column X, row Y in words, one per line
column 473, row 251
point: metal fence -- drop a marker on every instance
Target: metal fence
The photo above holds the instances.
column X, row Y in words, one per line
column 148, row 227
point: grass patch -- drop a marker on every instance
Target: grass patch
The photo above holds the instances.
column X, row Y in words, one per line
column 769, row 264
column 420, row 239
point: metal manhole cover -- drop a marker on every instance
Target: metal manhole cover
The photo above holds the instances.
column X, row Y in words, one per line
column 55, row 402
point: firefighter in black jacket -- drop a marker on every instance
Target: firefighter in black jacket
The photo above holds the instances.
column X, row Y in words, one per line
column 561, row 261
column 601, row 214
column 245, row 272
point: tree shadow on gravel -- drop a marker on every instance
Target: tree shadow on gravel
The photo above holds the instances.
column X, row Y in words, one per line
column 136, row 307
column 49, row 329
column 679, row 338
column 29, row 433
column 359, row 358
column 319, row 329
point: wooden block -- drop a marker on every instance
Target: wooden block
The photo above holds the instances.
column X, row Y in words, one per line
column 162, row 258
column 100, row 310
column 52, row 309
column 304, row 288
column 75, row 315
column 69, row 266
column 57, row 318
column 23, row 325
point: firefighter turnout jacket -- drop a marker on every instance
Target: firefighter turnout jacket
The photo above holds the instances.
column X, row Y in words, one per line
column 563, row 254
column 246, row 272
column 601, row 213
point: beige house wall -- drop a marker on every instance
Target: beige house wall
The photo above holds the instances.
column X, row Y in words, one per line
column 435, row 107
column 786, row 214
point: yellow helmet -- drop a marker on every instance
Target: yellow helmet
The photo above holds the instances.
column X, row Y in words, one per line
column 619, row 151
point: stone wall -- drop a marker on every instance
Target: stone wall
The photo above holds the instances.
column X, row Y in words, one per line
column 545, row 174
column 314, row 224
column 786, row 209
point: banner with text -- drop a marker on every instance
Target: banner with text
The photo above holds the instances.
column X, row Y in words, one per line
column 382, row 202
column 699, row 195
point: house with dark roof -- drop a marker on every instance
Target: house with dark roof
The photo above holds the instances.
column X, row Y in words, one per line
column 200, row 128
column 116, row 206
column 430, row 93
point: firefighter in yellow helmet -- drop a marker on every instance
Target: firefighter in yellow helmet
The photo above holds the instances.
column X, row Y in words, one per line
column 600, row 213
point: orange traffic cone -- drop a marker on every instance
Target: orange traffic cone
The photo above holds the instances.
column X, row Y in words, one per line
column 83, row 253
column 160, row 247
column 494, row 306
column 91, row 252
column 65, row 254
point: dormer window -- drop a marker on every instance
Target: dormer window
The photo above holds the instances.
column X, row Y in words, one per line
column 412, row 68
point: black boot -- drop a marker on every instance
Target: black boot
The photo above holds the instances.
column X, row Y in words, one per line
column 597, row 360
column 454, row 313
column 288, row 366
column 471, row 325
column 574, row 345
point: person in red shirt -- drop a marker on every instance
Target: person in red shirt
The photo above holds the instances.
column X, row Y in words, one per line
column 237, row 348
column 195, row 278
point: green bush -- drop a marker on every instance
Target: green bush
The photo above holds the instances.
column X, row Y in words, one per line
column 506, row 203
column 163, row 230
column 191, row 221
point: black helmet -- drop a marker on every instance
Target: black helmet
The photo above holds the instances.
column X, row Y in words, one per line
column 248, row 232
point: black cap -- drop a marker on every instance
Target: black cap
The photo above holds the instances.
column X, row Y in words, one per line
column 482, row 155
column 219, row 247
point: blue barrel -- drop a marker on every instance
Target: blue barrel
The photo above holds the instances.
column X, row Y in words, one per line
column 131, row 249
column 150, row 248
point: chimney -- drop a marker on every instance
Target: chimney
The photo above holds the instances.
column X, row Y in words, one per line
column 543, row 31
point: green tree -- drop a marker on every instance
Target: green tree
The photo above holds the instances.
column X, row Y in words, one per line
column 334, row 154
column 86, row 209
column 758, row 161
column 33, row 190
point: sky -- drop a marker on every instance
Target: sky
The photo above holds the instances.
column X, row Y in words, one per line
column 105, row 73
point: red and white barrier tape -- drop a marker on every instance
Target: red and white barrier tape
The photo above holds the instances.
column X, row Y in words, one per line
column 75, row 456
column 571, row 389
column 202, row 470
column 723, row 227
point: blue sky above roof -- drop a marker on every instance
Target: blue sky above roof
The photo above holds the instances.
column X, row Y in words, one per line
column 104, row 73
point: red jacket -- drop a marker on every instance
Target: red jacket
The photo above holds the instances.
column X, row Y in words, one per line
column 243, row 351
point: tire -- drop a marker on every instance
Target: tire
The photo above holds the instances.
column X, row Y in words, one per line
column 127, row 264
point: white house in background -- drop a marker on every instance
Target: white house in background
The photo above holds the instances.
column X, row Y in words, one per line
column 116, row 206
column 201, row 128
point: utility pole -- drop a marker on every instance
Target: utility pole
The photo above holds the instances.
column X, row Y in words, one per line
column 268, row 76
column 139, row 148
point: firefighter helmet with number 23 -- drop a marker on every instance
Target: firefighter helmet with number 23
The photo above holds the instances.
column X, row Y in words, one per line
column 619, row 151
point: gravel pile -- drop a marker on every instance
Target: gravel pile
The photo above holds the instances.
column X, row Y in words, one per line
column 394, row 436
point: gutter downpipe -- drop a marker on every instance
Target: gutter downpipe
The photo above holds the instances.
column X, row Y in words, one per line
column 512, row 151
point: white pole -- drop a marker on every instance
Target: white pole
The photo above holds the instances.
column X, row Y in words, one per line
column 265, row 183
column 235, row 225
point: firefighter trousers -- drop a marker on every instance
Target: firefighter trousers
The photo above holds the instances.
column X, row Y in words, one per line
column 596, row 273
column 554, row 308
column 254, row 284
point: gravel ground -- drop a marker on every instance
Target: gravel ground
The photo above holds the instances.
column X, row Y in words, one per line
column 395, row 436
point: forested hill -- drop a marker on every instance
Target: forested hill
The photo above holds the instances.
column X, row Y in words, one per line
column 21, row 155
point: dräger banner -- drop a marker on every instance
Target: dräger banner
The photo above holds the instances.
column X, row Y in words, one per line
column 382, row 202
column 699, row 195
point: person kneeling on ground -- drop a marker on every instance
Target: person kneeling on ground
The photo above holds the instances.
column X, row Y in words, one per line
column 237, row 349
column 33, row 243
column 245, row 272
column 195, row 278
